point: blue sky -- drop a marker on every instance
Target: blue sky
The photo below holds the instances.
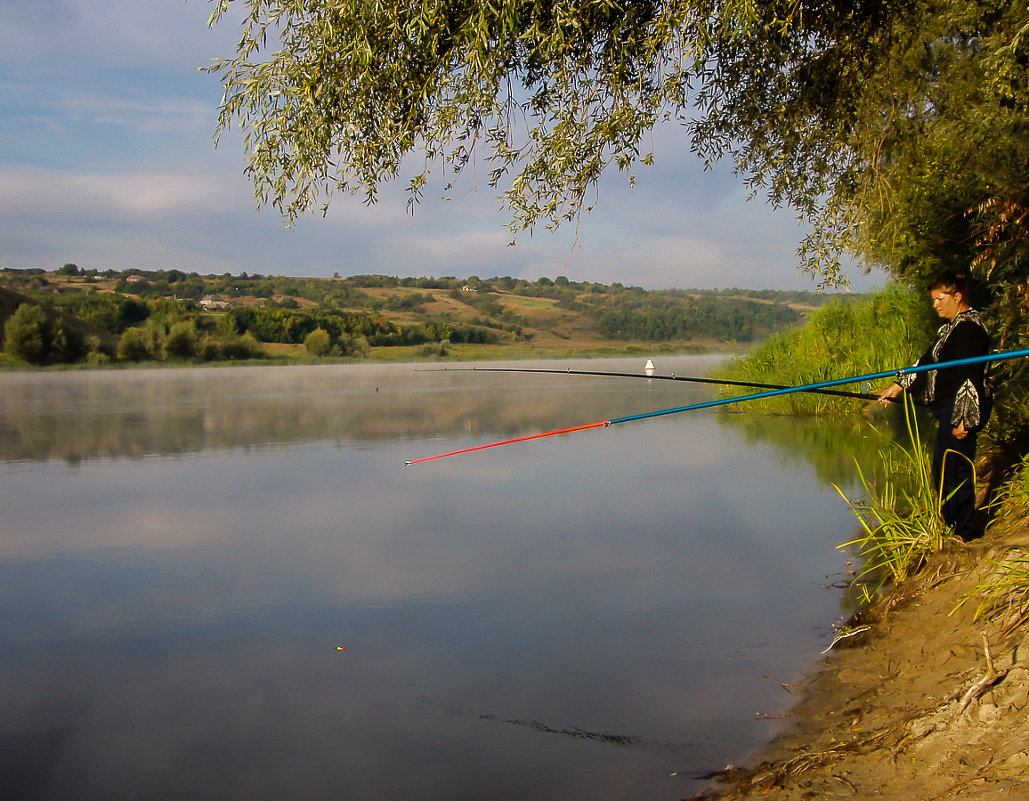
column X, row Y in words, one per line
column 107, row 160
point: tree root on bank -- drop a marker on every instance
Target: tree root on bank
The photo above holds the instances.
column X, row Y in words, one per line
column 992, row 677
column 768, row 776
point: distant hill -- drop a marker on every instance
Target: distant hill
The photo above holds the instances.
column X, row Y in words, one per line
column 504, row 315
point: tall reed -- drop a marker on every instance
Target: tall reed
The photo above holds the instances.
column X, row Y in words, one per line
column 900, row 514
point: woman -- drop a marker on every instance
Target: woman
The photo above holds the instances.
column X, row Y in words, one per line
column 958, row 397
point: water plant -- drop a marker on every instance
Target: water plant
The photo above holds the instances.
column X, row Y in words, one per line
column 901, row 525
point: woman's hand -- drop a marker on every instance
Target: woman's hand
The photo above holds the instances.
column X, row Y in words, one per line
column 960, row 432
column 891, row 392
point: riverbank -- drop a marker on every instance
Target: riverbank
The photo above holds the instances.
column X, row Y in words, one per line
column 927, row 703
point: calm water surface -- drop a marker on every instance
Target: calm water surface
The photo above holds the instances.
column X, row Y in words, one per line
column 184, row 553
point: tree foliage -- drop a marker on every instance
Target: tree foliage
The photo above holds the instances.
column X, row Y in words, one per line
column 33, row 336
column 897, row 128
column 294, row 325
column 662, row 319
column 143, row 343
column 26, row 335
column 548, row 93
column 110, row 311
column 185, row 341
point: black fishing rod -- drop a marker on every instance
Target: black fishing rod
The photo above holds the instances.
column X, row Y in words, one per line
column 896, row 374
column 672, row 377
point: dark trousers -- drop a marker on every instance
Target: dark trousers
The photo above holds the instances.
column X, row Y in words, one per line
column 953, row 472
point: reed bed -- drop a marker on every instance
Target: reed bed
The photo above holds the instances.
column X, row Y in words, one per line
column 842, row 339
column 899, row 513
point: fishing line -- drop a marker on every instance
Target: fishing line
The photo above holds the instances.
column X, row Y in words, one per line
column 896, row 374
column 672, row 377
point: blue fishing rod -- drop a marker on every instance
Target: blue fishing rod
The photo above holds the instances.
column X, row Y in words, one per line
column 896, row 374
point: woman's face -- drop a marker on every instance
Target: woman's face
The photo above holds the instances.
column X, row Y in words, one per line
column 947, row 304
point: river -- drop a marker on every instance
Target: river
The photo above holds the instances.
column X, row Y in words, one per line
column 224, row 583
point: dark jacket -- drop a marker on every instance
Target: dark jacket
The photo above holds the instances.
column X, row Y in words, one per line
column 961, row 338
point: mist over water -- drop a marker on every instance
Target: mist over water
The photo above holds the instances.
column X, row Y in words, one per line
column 185, row 553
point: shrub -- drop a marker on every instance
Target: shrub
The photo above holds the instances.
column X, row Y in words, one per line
column 435, row 349
column 206, row 349
column 244, row 347
column 182, row 341
column 142, row 342
column 318, row 343
column 355, row 346
column 96, row 353
column 32, row 336
column 132, row 347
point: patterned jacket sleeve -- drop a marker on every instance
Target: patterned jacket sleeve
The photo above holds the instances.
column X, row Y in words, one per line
column 967, row 406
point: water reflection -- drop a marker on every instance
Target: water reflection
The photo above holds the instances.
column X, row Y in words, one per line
column 75, row 416
column 577, row 617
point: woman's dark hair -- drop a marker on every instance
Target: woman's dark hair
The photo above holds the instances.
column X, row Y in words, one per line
column 952, row 282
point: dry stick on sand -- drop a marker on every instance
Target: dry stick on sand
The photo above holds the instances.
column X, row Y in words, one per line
column 992, row 677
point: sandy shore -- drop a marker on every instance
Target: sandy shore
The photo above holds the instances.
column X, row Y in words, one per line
column 910, row 709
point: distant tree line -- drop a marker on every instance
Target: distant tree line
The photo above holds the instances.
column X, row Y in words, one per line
column 659, row 319
column 115, row 312
column 347, row 292
column 293, row 326
column 34, row 336
column 158, row 315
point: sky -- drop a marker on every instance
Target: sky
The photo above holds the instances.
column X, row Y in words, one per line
column 107, row 160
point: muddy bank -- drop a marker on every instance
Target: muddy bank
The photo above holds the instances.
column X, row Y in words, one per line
column 912, row 709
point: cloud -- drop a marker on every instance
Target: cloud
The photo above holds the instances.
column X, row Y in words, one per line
column 128, row 197
column 145, row 114
column 678, row 260
column 147, row 34
column 458, row 252
column 106, row 159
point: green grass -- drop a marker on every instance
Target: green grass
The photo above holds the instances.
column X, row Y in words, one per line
column 1005, row 592
column 1012, row 499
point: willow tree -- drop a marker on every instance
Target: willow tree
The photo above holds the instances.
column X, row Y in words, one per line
column 896, row 128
